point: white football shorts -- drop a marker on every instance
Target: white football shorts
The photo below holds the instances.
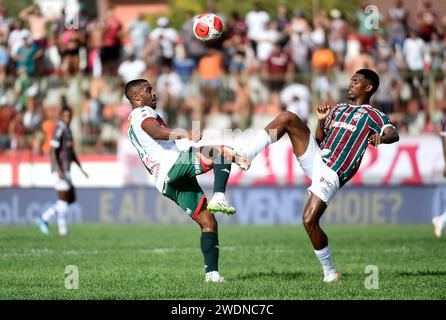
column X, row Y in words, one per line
column 62, row 184
column 324, row 181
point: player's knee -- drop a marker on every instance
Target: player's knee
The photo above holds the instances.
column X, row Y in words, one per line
column 309, row 220
column 207, row 221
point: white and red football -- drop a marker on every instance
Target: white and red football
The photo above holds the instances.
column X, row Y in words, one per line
column 208, row 26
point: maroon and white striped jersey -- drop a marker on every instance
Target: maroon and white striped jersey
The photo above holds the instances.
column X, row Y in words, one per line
column 347, row 129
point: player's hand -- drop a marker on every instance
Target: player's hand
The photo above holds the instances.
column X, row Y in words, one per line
column 375, row 140
column 322, row 111
column 195, row 136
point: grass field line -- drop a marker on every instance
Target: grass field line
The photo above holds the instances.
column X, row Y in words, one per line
column 222, row 248
column 32, row 252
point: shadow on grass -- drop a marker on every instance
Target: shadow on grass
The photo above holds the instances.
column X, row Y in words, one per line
column 279, row 275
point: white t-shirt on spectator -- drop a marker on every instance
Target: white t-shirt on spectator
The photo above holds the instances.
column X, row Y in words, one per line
column 168, row 33
column 256, row 22
column 172, row 82
column 300, row 106
column 139, row 30
column 265, row 44
column 170, row 37
column 131, row 70
column 17, row 39
column 414, row 53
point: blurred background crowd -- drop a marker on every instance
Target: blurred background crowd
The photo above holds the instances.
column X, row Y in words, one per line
column 266, row 62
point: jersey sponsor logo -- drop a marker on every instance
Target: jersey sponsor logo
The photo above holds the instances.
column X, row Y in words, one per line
column 197, row 166
column 326, row 182
column 343, row 125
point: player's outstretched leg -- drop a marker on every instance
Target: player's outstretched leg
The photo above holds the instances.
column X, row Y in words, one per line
column 439, row 222
column 285, row 123
column 60, row 207
column 209, row 244
column 313, row 211
column 213, row 157
column 43, row 220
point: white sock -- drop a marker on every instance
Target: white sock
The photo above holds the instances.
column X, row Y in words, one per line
column 256, row 145
column 326, row 260
column 62, row 208
column 49, row 213
column 218, row 195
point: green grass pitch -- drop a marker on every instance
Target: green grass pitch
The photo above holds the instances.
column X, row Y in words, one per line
column 259, row 262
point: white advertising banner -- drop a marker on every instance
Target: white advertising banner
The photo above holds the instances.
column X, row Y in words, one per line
column 411, row 161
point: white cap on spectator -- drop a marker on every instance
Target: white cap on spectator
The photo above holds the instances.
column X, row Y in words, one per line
column 162, row 22
column 335, row 13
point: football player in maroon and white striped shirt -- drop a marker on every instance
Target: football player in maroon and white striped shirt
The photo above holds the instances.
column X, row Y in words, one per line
column 332, row 157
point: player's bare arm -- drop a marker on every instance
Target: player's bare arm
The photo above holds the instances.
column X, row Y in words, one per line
column 76, row 160
column 157, row 132
column 322, row 112
column 390, row 135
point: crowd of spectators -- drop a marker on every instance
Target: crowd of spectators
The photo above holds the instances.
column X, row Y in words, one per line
column 263, row 64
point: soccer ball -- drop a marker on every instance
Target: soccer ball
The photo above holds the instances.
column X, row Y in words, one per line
column 208, row 26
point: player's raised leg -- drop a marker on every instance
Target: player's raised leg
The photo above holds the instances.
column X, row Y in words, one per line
column 213, row 157
column 285, row 123
column 305, row 149
column 43, row 220
column 65, row 198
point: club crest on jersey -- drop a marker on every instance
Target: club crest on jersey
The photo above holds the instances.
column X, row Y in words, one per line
column 357, row 116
